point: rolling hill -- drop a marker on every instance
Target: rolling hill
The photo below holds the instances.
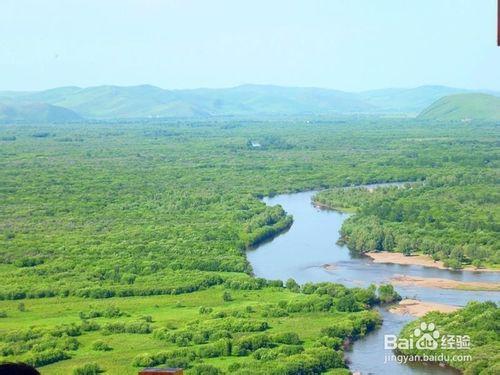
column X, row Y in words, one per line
column 111, row 102
column 411, row 100
column 36, row 112
column 464, row 107
column 151, row 101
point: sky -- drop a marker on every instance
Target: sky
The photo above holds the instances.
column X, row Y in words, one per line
column 349, row 45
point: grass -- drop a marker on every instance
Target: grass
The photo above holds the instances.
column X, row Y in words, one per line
column 165, row 311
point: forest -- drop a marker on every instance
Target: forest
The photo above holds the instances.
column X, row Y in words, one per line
column 454, row 218
column 122, row 244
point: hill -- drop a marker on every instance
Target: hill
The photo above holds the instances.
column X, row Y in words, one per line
column 39, row 112
column 151, row 101
column 143, row 101
column 407, row 100
column 464, row 106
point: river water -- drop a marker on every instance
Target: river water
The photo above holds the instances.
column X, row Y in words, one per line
column 310, row 243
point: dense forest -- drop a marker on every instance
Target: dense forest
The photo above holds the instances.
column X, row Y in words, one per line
column 472, row 331
column 123, row 244
column 453, row 217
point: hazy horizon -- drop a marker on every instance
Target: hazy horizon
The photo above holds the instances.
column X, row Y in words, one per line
column 478, row 89
column 344, row 45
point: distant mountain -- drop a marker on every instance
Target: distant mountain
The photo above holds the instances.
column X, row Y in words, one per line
column 151, row 101
column 412, row 100
column 36, row 112
column 107, row 102
column 464, row 107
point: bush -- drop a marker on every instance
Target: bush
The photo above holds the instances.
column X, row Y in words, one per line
column 226, row 297
column 143, row 360
column 348, row 304
column 290, row 338
column 292, row 285
column 101, row 346
column 132, row 327
column 47, row 357
column 205, row 310
column 220, row 348
column 387, row 294
column 247, row 344
column 88, row 369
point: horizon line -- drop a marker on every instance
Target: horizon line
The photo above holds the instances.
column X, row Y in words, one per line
column 252, row 84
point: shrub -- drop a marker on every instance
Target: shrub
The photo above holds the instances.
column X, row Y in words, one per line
column 101, row 346
column 143, row 360
column 387, row 294
column 348, row 304
column 47, row 357
column 247, row 344
column 89, row 326
column 292, row 285
column 220, row 348
column 132, row 327
column 290, row 338
column 205, row 310
column 226, row 297
column 88, row 369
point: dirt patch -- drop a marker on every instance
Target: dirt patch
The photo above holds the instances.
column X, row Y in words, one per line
column 419, row 308
column 416, row 260
column 431, row 282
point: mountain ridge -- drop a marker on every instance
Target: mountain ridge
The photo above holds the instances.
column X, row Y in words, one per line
column 143, row 101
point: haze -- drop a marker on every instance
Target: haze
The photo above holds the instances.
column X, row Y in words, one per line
column 347, row 45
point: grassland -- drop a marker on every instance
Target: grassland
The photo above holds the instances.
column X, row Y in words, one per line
column 464, row 107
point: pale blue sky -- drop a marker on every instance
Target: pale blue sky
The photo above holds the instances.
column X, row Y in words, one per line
column 343, row 44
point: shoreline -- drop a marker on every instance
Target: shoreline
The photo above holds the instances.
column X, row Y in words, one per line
column 433, row 282
column 418, row 308
column 417, row 260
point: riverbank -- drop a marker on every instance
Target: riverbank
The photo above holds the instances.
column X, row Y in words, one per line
column 417, row 260
column 432, row 282
column 418, row 308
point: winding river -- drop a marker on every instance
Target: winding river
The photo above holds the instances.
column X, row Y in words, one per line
column 310, row 243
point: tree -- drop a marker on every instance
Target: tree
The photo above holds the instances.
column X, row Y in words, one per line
column 292, row 285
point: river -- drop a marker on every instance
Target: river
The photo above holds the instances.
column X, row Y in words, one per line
column 311, row 242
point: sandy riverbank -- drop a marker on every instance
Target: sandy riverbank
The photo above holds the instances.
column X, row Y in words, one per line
column 432, row 282
column 416, row 260
column 419, row 308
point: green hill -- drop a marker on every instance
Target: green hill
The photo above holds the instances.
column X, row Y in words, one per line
column 407, row 100
column 143, row 101
column 39, row 112
column 464, row 107
column 150, row 101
